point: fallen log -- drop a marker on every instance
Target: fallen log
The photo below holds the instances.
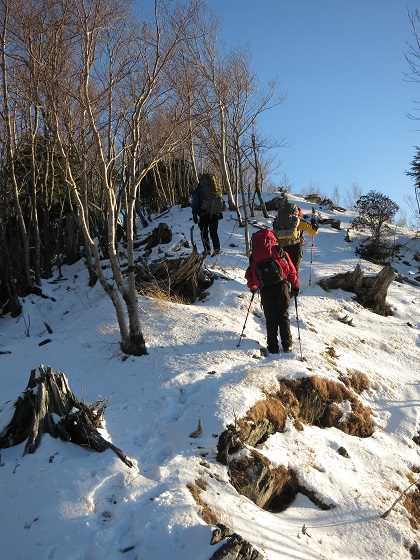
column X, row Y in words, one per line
column 48, row 406
column 371, row 291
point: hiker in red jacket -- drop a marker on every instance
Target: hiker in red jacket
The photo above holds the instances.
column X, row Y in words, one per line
column 275, row 297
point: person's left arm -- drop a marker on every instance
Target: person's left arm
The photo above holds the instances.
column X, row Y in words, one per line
column 312, row 229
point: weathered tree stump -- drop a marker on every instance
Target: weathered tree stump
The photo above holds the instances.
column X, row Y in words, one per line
column 334, row 223
column 371, row 291
column 48, row 406
column 273, row 204
column 161, row 234
column 177, row 277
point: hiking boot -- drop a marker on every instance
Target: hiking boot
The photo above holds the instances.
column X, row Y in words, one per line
column 217, row 251
column 205, row 253
column 272, row 350
column 288, row 348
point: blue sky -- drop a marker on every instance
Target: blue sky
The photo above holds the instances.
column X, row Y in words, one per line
column 342, row 65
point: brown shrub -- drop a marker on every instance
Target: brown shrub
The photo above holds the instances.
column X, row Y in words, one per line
column 412, row 504
column 356, row 380
column 270, row 408
column 317, row 397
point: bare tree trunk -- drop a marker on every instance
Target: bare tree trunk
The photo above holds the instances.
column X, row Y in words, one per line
column 223, row 161
column 33, row 189
column 257, row 175
column 242, row 190
column 25, row 269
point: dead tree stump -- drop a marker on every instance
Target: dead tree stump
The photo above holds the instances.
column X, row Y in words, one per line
column 177, row 277
column 371, row 291
column 161, row 234
column 48, row 406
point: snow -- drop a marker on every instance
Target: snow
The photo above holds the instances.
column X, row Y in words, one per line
column 69, row 503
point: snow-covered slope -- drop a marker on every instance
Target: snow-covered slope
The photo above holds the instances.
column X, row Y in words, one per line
column 68, row 503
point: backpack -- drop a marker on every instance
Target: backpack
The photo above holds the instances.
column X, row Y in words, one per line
column 286, row 223
column 212, row 194
column 264, row 253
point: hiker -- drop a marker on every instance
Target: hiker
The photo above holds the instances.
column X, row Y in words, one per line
column 273, row 283
column 289, row 227
column 207, row 204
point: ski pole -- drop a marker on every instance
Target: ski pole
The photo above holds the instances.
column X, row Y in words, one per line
column 246, row 318
column 297, row 319
column 310, row 266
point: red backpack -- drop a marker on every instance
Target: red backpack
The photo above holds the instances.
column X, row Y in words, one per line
column 267, row 259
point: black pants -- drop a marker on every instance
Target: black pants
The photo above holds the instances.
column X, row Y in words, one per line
column 209, row 223
column 275, row 301
column 295, row 254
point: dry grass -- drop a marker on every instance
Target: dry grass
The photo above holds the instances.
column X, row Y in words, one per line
column 161, row 295
column 108, row 329
column 317, row 397
column 312, row 400
column 270, row 409
column 412, row 504
column 206, row 513
column 355, row 379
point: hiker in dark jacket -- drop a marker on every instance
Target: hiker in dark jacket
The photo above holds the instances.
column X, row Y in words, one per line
column 275, row 300
column 207, row 222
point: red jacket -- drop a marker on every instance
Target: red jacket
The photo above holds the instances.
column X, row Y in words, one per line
column 288, row 269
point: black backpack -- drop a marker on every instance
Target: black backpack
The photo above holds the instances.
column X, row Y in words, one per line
column 263, row 253
column 212, row 194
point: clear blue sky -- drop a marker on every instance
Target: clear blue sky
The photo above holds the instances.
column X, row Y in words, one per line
column 342, row 65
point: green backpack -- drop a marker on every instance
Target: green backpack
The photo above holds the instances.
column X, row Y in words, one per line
column 212, row 194
column 285, row 225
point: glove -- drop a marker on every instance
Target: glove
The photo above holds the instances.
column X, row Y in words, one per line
column 220, row 216
column 294, row 291
column 254, row 289
column 314, row 224
column 195, row 219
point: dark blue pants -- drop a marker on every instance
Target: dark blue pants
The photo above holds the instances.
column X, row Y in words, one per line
column 275, row 301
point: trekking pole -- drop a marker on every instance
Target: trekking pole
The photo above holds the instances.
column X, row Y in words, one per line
column 246, row 318
column 310, row 266
column 297, row 319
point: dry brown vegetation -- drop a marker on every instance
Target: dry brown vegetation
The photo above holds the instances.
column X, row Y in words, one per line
column 318, row 405
column 412, row 504
column 206, row 513
column 355, row 379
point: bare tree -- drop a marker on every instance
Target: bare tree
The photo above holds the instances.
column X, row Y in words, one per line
column 353, row 194
column 11, row 112
column 336, row 195
column 109, row 87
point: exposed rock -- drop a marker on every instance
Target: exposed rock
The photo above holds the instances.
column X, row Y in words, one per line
column 312, row 400
column 237, row 548
column 253, row 476
column 313, row 198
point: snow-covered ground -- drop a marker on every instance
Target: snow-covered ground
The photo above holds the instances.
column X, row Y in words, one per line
column 68, row 503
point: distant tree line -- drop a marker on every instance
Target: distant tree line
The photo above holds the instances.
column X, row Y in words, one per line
column 107, row 116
